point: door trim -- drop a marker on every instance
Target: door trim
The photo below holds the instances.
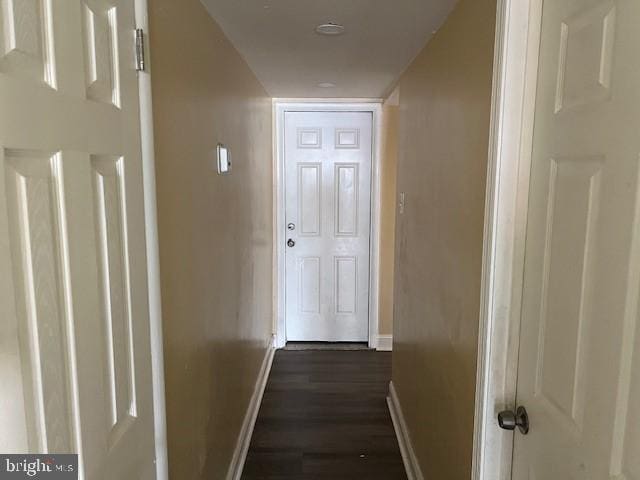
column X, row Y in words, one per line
column 511, row 139
column 153, row 256
column 280, row 107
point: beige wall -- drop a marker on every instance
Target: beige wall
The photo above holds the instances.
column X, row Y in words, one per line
column 215, row 233
column 443, row 139
column 388, row 212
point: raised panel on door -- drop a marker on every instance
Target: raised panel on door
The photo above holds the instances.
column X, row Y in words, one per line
column 113, row 262
column 310, row 199
column 586, row 56
column 625, row 463
column 32, row 190
column 347, row 138
column 26, row 40
column 346, row 285
column 309, row 301
column 101, row 64
column 572, row 216
column 346, row 183
column 310, row 137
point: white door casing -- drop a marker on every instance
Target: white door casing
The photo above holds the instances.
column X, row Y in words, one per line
column 74, row 348
column 327, row 202
column 579, row 370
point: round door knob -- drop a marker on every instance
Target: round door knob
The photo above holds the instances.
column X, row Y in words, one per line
column 291, row 243
column 509, row 420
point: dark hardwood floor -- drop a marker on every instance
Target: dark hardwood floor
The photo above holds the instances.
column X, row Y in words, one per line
column 324, row 416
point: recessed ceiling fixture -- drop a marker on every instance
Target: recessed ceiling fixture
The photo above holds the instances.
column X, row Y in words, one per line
column 326, row 85
column 330, row 29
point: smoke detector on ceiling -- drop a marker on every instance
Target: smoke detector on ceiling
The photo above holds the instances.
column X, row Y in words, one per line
column 326, row 85
column 330, row 28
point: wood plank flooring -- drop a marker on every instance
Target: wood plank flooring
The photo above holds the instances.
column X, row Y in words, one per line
column 324, row 416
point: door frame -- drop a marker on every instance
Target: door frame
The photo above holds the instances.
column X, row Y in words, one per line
column 511, row 140
column 280, row 108
column 152, row 250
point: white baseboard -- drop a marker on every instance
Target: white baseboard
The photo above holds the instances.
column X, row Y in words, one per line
column 279, row 341
column 244, row 439
column 385, row 343
column 404, row 440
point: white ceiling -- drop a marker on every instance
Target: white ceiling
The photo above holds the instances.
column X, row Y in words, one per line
column 278, row 40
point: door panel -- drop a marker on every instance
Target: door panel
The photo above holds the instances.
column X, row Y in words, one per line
column 578, row 365
column 310, row 279
column 310, row 210
column 74, row 348
column 100, row 29
column 114, row 281
column 346, row 282
column 570, row 225
column 625, row 463
column 327, row 190
column 346, row 215
column 26, row 40
column 33, row 193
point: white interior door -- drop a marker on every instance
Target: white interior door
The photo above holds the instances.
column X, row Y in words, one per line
column 74, row 323
column 327, row 203
column 579, row 369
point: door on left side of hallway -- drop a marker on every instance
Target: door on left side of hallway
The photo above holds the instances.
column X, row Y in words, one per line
column 75, row 362
column 327, row 164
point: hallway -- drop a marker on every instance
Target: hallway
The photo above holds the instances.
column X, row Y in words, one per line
column 320, row 240
column 324, row 416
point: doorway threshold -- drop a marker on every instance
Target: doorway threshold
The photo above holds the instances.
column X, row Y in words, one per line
column 297, row 346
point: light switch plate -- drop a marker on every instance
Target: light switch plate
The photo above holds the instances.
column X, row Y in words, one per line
column 224, row 159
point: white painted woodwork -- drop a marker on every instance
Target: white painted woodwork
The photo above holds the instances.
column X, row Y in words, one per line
column 75, row 363
column 327, row 197
column 579, row 370
column 153, row 257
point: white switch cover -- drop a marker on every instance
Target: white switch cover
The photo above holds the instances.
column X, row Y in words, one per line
column 224, row 160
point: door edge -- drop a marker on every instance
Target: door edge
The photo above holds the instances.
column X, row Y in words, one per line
column 509, row 158
column 153, row 256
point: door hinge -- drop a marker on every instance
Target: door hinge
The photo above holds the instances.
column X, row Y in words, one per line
column 140, row 63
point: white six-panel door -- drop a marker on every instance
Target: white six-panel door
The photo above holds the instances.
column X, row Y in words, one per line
column 74, row 325
column 579, row 369
column 327, row 212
